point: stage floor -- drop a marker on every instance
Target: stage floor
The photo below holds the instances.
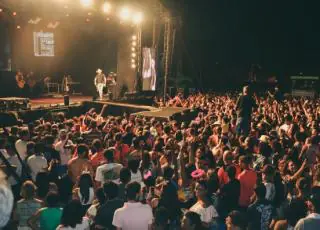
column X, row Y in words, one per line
column 54, row 101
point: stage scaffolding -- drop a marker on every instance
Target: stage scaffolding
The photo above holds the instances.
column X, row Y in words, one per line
column 165, row 27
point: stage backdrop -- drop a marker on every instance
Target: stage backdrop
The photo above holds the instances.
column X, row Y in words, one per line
column 73, row 50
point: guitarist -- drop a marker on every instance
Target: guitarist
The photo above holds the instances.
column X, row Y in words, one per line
column 23, row 87
column 20, row 80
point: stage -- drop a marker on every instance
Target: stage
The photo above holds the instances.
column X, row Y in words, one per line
column 48, row 107
column 57, row 101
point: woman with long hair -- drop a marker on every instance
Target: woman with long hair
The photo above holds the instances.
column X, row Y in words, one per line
column 84, row 191
column 203, row 206
column 169, row 200
column 133, row 166
column 100, row 200
column 72, row 217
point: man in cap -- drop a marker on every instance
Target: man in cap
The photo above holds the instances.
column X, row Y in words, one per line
column 100, row 82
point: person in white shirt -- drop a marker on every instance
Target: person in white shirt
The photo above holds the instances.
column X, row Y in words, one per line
column 203, row 207
column 6, row 201
column 9, row 154
column 3, row 150
column 136, row 175
column 37, row 162
column 14, row 161
column 63, row 147
column 110, row 170
column 133, row 215
column 21, row 144
column 287, row 123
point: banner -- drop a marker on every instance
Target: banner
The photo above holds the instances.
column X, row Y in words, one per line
column 149, row 73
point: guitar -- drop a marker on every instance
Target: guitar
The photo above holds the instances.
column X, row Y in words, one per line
column 20, row 80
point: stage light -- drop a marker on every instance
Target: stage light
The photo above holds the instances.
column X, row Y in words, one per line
column 134, row 55
column 133, row 66
column 133, row 61
column 1, row 10
column 14, row 13
column 86, row 3
column 134, row 37
column 125, row 14
column 137, row 18
column 18, row 27
column 133, row 49
column 134, row 43
column 106, row 7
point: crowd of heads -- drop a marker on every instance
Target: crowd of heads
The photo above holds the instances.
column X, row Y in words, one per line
column 243, row 162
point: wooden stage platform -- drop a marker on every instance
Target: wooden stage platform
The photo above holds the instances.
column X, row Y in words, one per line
column 54, row 101
column 140, row 110
column 42, row 107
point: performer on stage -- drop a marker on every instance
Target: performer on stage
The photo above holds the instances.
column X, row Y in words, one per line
column 66, row 83
column 20, row 80
column 100, row 82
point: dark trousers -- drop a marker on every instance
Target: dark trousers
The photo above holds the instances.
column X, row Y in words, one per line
column 243, row 126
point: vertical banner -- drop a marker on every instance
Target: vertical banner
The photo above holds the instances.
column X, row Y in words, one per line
column 149, row 73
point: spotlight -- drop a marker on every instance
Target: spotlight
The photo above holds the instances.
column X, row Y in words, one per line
column 18, row 27
column 134, row 55
column 86, row 3
column 108, row 19
column 106, row 7
column 133, row 49
column 137, row 18
column 89, row 14
column 1, row 10
column 14, row 13
column 133, row 66
column 134, row 43
column 134, row 37
column 133, row 61
column 125, row 14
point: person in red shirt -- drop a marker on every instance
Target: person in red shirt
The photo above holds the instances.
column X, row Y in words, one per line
column 248, row 180
column 227, row 161
column 121, row 150
column 97, row 158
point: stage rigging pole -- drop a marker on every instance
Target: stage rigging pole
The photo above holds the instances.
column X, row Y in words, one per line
column 169, row 37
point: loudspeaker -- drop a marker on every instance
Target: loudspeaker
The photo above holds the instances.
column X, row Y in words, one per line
column 8, row 119
column 172, row 91
column 66, row 100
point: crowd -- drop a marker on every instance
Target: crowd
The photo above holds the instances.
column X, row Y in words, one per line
column 244, row 162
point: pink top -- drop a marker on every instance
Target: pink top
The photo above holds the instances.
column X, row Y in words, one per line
column 248, row 179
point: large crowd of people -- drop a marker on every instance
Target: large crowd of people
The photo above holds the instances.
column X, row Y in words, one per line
column 244, row 162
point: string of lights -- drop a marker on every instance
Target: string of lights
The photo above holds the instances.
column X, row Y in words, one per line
column 126, row 14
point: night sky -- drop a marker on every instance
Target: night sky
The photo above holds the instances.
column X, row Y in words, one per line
column 224, row 37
